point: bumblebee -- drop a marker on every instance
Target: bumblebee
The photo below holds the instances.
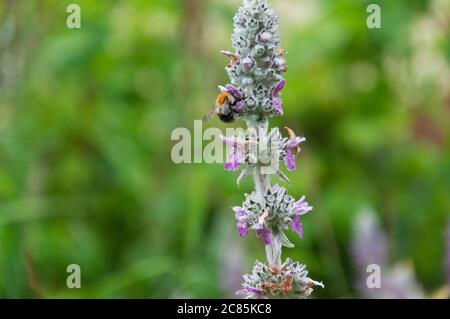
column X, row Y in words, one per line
column 221, row 108
column 227, row 103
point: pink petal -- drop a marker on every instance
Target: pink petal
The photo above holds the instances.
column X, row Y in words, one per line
column 243, row 230
column 277, row 104
column 265, row 234
column 233, row 91
column 278, row 87
column 239, row 106
column 289, row 160
column 302, row 207
column 295, row 142
column 297, row 226
column 229, row 54
column 234, row 160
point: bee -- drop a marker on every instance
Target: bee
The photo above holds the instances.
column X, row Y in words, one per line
column 221, row 108
column 227, row 103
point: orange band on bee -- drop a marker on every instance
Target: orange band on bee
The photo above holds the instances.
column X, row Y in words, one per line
column 222, row 98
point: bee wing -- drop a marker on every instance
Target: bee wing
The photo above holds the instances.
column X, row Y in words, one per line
column 209, row 115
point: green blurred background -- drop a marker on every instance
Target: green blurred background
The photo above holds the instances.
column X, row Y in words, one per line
column 86, row 117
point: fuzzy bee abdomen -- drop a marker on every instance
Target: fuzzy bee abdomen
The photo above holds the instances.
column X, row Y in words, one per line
column 227, row 118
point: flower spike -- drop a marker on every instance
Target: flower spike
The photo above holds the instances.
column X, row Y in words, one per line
column 254, row 95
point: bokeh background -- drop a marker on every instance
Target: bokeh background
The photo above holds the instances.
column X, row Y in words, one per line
column 86, row 118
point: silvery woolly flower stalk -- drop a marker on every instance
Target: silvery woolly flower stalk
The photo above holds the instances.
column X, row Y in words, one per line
column 256, row 72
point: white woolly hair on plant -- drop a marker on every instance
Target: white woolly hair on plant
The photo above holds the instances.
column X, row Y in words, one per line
column 254, row 95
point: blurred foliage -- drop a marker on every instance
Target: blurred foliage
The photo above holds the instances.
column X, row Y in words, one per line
column 86, row 118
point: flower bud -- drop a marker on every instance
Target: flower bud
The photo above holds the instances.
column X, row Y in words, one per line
column 265, row 37
column 248, row 63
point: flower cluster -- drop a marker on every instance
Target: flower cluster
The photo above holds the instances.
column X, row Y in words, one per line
column 258, row 63
column 290, row 280
column 254, row 95
column 255, row 148
column 271, row 214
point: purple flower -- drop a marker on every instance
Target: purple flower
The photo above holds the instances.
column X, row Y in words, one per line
column 237, row 155
column 301, row 207
column 238, row 104
column 241, row 215
column 297, row 226
column 234, row 160
column 293, row 149
column 223, row 89
column 289, row 160
column 243, row 230
column 264, row 233
column 230, row 141
column 276, row 99
column 295, row 141
column 233, row 91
